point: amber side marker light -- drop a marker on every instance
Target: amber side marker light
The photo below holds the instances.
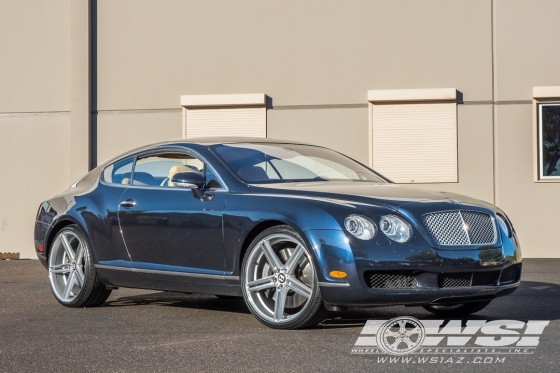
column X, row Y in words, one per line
column 337, row 274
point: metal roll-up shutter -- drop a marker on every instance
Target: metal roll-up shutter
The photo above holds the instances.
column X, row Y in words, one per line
column 415, row 142
column 241, row 121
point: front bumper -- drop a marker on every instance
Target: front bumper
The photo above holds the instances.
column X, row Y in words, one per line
column 483, row 271
column 360, row 295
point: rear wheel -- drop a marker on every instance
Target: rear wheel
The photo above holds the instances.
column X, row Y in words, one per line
column 279, row 281
column 457, row 309
column 72, row 275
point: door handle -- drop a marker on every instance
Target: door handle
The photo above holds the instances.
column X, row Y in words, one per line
column 129, row 203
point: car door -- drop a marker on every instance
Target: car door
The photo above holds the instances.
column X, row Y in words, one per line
column 168, row 232
column 104, row 225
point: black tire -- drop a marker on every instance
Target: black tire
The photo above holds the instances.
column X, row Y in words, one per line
column 93, row 292
column 312, row 312
column 459, row 309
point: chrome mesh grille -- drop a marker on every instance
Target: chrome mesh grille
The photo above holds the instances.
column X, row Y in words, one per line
column 480, row 227
column 390, row 281
column 454, row 228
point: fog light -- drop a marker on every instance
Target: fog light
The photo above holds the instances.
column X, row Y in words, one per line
column 337, row 274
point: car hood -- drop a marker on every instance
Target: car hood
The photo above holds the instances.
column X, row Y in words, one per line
column 392, row 196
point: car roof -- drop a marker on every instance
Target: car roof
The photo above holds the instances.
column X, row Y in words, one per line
column 230, row 140
column 204, row 141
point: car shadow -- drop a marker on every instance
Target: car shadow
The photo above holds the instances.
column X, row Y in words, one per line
column 532, row 301
column 172, row 299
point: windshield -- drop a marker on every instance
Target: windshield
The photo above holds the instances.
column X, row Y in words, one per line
column 273, row 163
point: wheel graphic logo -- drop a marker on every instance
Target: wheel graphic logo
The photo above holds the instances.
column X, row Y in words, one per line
column 400, row 336
column 281, row 278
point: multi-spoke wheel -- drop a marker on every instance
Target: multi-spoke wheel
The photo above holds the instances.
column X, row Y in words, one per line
column 72, row 275
column 460, row 309
column 279, row 281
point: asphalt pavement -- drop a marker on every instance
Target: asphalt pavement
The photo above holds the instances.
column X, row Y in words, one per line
column 147, row 331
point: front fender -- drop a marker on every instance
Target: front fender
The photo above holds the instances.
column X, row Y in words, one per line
column 332, row 252
column 312, row 218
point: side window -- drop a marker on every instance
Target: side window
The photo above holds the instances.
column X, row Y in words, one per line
column 158, row 169
column 119, row 172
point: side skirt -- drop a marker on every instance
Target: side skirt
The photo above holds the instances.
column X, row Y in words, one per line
column 169, row 280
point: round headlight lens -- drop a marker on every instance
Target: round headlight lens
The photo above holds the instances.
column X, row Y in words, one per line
column 502, row 223
column 395, row 228
column 360, row 227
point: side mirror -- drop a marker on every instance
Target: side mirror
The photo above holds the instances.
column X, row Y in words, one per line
column 188, row 180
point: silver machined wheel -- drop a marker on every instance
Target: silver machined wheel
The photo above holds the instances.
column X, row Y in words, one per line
column 67, row 266
column 279, row 279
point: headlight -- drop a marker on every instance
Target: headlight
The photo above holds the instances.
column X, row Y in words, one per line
column 504, row 225
column 395, row 228
column 360, row 226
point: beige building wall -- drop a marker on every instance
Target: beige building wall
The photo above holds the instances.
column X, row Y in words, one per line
column 34, row 166
column 34, row 56
column 120, row 132
column 343, row 129
column 526, row 34
column 297, row 52
column 34, row 114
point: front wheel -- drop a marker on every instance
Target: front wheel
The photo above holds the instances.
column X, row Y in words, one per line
column 279, row 281
column 72, row 275
column 462, row 309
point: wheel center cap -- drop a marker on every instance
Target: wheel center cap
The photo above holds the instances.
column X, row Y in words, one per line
column 73, row 266
column 281, row 278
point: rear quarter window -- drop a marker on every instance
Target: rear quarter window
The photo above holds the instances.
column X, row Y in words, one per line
column 119, row 172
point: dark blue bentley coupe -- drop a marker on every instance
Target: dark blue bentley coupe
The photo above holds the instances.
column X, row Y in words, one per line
column 297, row 230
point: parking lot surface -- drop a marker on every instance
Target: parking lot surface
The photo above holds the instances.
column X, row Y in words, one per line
column 148, row 331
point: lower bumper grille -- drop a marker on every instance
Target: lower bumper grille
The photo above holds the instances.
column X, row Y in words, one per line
column 390, row 280
column 454, row 280
column 510, row 274
column 393, row 280
column 468, row 279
